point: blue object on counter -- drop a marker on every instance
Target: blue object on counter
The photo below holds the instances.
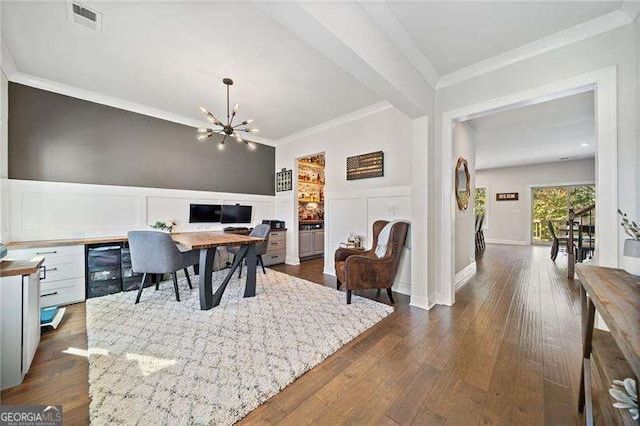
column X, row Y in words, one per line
column 3, row 251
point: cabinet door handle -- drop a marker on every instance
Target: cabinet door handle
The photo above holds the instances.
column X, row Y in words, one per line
column 47, row 252
column 49, row 294
column 52, row 269
column 274, row 257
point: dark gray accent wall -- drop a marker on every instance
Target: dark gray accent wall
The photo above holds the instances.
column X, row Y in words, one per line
column 58, row 138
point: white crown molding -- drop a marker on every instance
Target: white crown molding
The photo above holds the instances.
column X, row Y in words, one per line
column 335, row 122
column 6, row 61
column 555, row 41
column 99, row 98
column 387, row 21
column 631, row 8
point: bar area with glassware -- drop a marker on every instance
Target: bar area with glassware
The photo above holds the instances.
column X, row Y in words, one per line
column 311, row 182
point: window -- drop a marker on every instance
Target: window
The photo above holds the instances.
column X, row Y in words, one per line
column 480, row 206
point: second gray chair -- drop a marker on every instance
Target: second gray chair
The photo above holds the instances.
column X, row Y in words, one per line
column 154, row 252
column 260, row 231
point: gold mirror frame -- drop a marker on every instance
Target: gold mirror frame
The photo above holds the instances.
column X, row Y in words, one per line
column 462, row 196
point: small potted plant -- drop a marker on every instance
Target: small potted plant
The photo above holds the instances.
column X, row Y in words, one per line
column 164, row 226
column 631, row 260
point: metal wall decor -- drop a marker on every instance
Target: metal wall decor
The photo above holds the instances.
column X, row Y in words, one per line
column 365, row 166
column 284, row 180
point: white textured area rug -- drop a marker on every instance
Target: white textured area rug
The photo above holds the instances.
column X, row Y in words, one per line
column 168, row 362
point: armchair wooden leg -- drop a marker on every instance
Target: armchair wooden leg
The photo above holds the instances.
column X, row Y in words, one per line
column 175, row 285
column 338, row 284
column 348, row 297
column 390, row 294
column 186, row 273
column 144, row 278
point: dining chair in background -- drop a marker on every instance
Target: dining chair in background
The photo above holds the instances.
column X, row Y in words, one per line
column 260, row 231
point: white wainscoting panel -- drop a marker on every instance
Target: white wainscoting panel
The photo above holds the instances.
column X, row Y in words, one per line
column 55, row 210
column 355, row 211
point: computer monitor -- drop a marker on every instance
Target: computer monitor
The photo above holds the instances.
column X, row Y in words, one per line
column 236, row 214
column 204, row 213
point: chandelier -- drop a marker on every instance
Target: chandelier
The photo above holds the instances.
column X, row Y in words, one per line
column 229, row 129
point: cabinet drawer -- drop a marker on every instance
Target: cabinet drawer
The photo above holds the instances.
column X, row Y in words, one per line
column 63, row 296
column 47, row 252
column 47, row 286
column 277, row 235
column 274, row 258
column 275, row 245
column 65, row 271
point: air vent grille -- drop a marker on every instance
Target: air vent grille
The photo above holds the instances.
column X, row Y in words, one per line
column 82, row 15
column 84, row 12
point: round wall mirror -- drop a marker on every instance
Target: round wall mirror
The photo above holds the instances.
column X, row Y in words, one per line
column 463, row 183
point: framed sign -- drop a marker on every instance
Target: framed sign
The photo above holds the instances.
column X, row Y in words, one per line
column 365, row 166
column 507, row 196
column 284, row 180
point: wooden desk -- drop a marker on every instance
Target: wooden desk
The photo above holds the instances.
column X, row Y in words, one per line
column 616, row 296
column 207, row 243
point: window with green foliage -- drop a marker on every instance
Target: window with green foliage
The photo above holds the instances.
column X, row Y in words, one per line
column 480, row 206
column 552, row 204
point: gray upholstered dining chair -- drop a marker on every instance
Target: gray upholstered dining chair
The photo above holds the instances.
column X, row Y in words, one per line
column 154, row 252
column 260, row 231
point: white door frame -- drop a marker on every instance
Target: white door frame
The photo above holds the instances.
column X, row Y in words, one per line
column 604, row 84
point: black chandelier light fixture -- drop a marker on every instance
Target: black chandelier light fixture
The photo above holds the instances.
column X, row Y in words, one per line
column 229, row 129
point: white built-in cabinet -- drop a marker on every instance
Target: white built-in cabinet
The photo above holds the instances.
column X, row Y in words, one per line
column 63, row 273
column 19, row 326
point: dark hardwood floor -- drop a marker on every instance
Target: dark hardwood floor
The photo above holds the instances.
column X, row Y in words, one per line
column 508, row 352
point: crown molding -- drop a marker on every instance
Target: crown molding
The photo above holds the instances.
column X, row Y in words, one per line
column 631, row 8
column 387, row 21
column 99, row 98
column 594, row 27
column 335, row 122
column 6, row 61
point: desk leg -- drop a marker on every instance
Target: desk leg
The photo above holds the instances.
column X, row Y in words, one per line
column 205, row 272
column 588, row 317
column 236, row 262
column 252, row 266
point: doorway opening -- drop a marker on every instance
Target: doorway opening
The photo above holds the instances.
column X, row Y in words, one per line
column 310, row 207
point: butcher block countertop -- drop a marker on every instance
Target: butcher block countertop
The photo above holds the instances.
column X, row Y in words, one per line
column 10, row 267
column 70, row 242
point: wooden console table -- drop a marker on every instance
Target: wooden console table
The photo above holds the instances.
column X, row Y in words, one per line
column 615, row 294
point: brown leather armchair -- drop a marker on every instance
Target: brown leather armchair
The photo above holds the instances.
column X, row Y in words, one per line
column 359, row 270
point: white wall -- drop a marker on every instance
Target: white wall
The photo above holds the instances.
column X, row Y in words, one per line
column 509, row 221
column 352, row 206
column 617, row 47
column 53, row 210
column 464, row 142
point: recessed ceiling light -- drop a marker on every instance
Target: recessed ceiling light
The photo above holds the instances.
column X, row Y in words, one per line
column 584, row 144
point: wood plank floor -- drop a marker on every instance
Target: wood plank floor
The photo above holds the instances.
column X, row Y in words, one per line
column 508, row 352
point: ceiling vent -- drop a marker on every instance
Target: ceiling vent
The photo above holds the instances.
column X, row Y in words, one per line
column 84, row 16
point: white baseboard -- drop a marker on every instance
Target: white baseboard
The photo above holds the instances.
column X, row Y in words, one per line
column 508, row 242
column 293, row 261
column 465, row 274
column 398, row 286
column 421, row 303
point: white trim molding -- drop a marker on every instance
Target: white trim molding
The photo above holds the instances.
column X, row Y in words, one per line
column 6, row 61
column 508, row 242
column 583, row 31
column 335, row 122
column 604, row 82
column 99, row 98
column 465, row 274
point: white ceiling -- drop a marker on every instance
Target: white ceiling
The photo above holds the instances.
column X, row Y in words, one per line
column 173, row 56
column 541, row 133
column 453, row 35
